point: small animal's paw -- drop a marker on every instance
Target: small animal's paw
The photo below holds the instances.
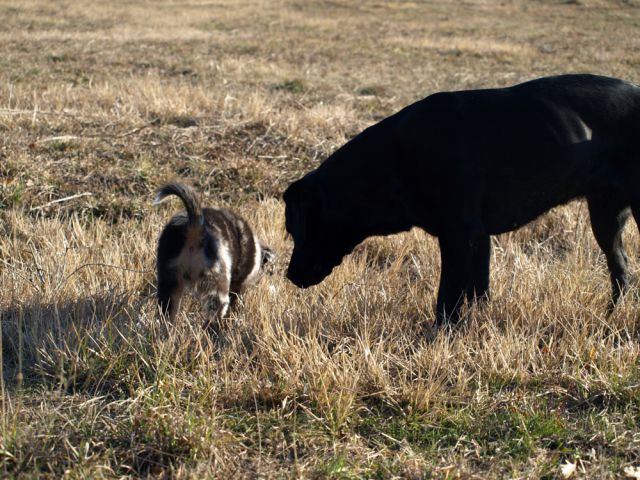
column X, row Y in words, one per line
column 430, row 332
column 268, row 255
column 212, row 326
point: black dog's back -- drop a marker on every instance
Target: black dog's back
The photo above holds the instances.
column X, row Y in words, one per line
column 520, row 150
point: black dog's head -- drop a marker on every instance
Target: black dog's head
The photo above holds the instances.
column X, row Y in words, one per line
column 319, row 237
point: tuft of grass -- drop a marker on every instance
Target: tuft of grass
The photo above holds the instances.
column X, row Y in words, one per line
column 292, row 86
column 373, row 90
column 56, row 58
column 11, row 195
column 59, row 146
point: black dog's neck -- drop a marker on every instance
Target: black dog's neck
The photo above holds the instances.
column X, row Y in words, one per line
column 366, row 195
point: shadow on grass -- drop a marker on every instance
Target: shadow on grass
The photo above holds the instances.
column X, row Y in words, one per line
column 94, row 353
column 73, row 344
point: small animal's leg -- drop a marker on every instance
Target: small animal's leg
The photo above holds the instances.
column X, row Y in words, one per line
column 609, row 214
column 456, row 253
column 478, row 285
column 217, row 306
column 170, row 291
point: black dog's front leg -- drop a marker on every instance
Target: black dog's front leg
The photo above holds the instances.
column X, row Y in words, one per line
column 464, row 254
column 478, row 282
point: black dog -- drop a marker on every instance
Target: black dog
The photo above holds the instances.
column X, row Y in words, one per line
column 466, row 165
column 212, row 250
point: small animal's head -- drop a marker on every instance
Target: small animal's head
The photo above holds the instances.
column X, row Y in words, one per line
column 320, row 240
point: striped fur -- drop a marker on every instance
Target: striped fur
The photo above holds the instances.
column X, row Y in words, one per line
column 212, row 251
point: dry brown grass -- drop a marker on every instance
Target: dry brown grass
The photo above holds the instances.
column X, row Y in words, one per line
column 345, row 380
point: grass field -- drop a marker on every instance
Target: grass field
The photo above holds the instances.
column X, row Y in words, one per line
column 100, row 103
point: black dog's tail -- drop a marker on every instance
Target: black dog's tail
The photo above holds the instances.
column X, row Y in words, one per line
column 188, row 197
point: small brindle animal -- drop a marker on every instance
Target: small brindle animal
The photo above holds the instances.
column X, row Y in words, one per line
column 470, row 164
column 211, row 250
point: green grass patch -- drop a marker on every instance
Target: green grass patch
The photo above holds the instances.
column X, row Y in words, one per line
column 11, row 195
column 510, row 432
column 292, row 86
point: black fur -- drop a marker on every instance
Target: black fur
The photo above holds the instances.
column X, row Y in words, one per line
column 170, row 245
column 466, row 165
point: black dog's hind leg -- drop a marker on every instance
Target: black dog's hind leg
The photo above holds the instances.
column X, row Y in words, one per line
column 609, row 213
column 464, row 254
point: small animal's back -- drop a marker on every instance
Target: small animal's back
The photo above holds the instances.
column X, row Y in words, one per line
column 239, row 239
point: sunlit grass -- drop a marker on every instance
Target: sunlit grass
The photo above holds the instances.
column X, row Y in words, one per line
column 101, row 104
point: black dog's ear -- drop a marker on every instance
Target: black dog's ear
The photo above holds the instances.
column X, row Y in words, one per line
column 294, row 191
column 296, row 209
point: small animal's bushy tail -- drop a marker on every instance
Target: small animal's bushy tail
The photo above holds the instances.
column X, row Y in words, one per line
column 188, row 197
